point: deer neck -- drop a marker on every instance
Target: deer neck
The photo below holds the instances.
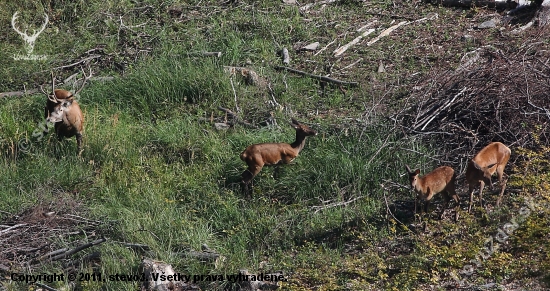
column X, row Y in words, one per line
column 300, row 141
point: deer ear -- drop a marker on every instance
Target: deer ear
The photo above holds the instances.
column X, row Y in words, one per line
column 68, row 102
column 294, row 125
column 417, row 171
column 294, row 121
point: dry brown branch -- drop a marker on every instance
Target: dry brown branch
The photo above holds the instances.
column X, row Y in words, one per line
column 322, row 78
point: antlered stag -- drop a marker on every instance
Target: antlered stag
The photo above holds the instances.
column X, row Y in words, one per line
column 64, row 112
column 491, row 158
column 258, row 155
column 440, row 180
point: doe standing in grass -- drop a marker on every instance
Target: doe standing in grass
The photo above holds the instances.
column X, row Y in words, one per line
column 440, row 180
column 258, row 155
column 492, row 158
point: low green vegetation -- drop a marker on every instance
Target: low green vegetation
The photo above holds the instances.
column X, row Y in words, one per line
column 156, row 171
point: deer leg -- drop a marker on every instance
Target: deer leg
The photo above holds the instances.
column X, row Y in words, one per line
column 420, row 203
column 276, row 172
column 502, row 181
column 415, row 203
column 246, row 181
column 79, row 143
column 455, row 197
column 471, row 190
column 481, row 185
column 427, row 205
column 503, row 185
column 248, row 176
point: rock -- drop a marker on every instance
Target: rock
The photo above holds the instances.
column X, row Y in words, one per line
column 489, row 23
column 311, row 46
column 221, row 126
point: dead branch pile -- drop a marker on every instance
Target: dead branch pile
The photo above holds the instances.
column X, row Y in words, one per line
column 495, row 95
column 45, row 233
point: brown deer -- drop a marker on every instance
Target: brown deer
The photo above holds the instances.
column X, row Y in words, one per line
column 491, row 158
column 440, row 180
column 258, row 155
column 64, row 112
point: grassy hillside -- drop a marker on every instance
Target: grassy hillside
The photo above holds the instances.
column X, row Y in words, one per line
column 155, row 170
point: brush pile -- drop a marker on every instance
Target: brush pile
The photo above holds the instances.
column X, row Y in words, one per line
column 494, row 95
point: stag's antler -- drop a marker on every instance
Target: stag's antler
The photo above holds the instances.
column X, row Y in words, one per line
column 84, row 79
column 52, row 96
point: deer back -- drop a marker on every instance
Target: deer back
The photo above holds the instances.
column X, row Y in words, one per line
column 439, row 180
column 486, row 162
column 269, row 153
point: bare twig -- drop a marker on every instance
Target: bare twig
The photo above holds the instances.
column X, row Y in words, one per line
column 335, row 204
